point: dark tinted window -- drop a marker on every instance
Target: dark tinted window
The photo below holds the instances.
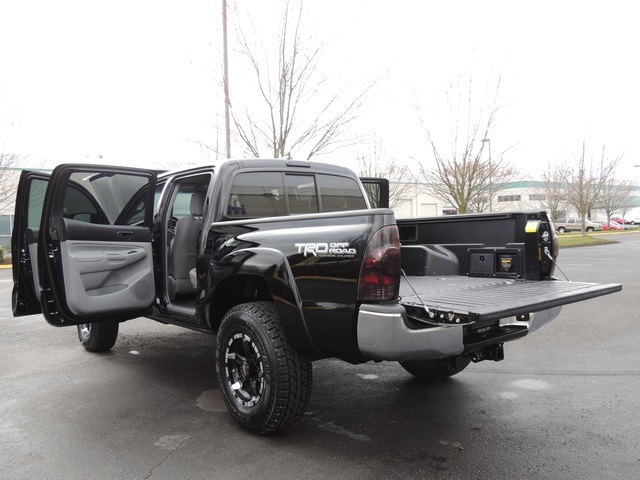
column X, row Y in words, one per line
column 36, row 202
column 135, row 213
column 261, row 194
column 135, row 216
column 256, row 194
column 301, row 192
column 340, row 194
column 78, row 206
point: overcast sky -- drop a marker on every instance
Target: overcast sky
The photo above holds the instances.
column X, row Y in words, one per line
column 138, row 81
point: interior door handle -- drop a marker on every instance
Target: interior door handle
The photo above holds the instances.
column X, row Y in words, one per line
column 125, row 235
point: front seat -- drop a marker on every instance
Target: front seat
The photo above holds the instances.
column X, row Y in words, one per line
column 182, row 251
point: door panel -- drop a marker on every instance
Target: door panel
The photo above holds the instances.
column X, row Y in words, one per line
column 113, row 277
column 96, row 266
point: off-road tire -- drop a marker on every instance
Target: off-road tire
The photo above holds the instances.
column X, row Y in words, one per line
column 436, row 369
column 99, row 336
column 265, row 383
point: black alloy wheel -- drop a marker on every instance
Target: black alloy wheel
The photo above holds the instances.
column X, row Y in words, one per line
column 244, row 369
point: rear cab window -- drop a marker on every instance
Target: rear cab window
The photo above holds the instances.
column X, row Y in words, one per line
column 340, row 194
column 274, row 194
column 301, row 194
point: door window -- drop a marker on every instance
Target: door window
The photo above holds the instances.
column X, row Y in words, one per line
column 36, row 201
column 106, row 198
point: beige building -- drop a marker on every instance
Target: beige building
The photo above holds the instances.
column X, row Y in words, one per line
column 413, row 200
column 9, row 183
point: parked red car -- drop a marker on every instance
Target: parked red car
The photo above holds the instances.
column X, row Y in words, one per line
column 618, row 225
column 614, row 225
column 618, row 219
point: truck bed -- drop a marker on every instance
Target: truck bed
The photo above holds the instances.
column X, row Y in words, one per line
column 483, row 299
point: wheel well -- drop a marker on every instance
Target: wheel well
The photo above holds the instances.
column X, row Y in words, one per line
column 234, row 291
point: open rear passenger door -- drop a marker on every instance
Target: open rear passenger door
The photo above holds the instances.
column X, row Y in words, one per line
column 377, row 190
column 25, row 298
column 94, row 244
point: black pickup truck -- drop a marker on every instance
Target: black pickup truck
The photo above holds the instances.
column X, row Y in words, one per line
column 286, row 262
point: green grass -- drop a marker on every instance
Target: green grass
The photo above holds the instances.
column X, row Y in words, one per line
column 567, row 240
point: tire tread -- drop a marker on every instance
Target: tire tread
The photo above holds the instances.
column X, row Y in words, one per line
column 102, row 336
column 293, row 371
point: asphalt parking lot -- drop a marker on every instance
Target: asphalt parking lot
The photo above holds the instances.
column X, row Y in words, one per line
column 564, row 403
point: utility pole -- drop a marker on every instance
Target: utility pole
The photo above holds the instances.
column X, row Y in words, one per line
column 488, row 140
column 225, row 60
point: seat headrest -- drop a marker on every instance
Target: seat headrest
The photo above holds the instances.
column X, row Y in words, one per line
column 196, row 206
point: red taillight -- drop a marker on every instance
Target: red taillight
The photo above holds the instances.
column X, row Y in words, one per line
column 380, row 271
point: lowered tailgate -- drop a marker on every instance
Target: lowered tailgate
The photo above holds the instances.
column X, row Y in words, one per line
column 463, row 300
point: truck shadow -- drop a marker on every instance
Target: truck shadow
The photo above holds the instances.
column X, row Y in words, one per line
column 368, row 398
column 372, row 413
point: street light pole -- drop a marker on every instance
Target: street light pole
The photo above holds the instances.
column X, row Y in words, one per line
column 488, row 141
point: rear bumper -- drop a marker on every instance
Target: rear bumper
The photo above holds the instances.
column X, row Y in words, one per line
column 383, row 334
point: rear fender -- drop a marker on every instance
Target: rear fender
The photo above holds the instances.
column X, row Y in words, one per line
column 272, row 266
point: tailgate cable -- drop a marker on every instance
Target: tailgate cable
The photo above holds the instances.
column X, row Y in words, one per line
column 426, row 309
column 548, row 254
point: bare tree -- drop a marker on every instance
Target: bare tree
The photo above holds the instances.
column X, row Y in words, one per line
column 8, row 165
column 462, row 174
column 377, row 164
column 634, row 202
column 585, row 179
column 554, row 191
column 278, row 124
column 616, row 195
column 8, row 182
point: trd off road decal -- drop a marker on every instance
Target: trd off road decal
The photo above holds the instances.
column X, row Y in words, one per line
column 340, row 249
